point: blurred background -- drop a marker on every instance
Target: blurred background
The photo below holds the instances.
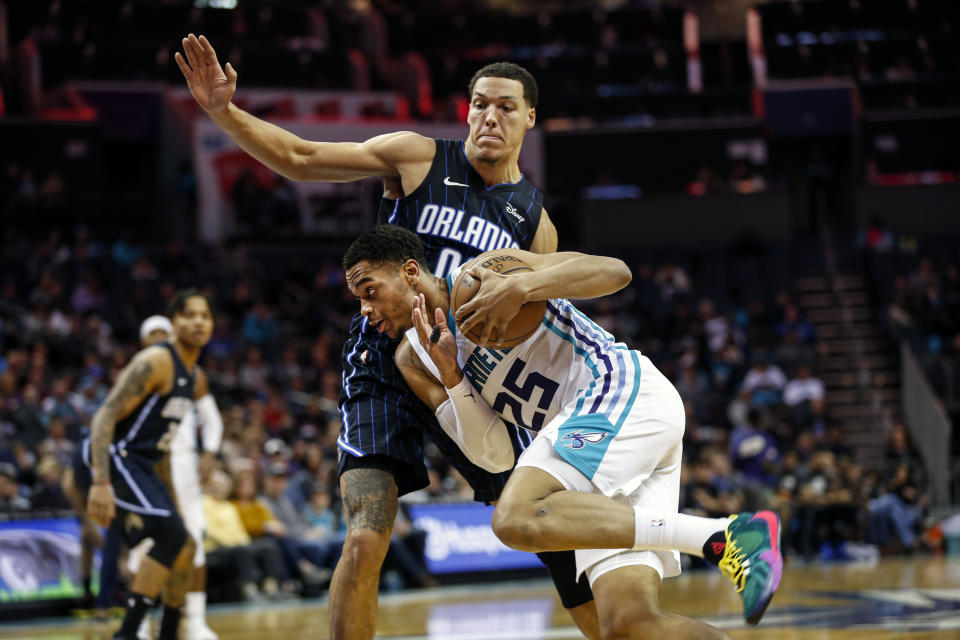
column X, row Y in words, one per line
column 781, row 176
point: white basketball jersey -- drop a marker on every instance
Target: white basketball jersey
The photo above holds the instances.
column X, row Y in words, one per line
column 530, row 383
column 185, row 438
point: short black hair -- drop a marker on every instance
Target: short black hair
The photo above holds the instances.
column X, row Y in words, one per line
column 178, row 303
column 510, row 71
column 385, row 243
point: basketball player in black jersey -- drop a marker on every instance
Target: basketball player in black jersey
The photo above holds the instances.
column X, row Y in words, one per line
column 461, row 198
column 128, row 435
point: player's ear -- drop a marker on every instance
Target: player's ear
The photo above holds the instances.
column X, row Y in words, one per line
column 531, row 118
column 411, row 272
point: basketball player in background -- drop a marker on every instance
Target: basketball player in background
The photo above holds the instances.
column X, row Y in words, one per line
column 186, row 469
column 129, row 434
column 603, row 473
column 462, row 197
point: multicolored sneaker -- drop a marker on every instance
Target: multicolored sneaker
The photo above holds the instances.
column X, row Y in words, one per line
column 752, row 560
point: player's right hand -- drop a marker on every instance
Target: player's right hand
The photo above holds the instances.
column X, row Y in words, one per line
column 100, row 504
column 212, row 86
column 442, row 351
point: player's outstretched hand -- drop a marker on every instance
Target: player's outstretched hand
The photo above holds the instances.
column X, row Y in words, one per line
column 212, row 86
column 100, row 504
column 489, row 312
column 437, row 341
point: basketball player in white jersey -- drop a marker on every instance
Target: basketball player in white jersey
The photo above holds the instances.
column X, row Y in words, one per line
column 603, row 474
column 185, row 469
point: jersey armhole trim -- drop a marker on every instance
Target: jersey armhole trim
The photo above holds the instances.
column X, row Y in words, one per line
column 409, row 197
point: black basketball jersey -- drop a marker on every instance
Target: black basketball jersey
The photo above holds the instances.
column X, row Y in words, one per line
column 458, row 217
column 150, row 427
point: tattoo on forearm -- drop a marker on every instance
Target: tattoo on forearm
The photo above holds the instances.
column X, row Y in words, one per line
column 131, row 385
column 369, row 499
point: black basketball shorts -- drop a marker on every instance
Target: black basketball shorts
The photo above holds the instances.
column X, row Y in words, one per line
column 142, row 500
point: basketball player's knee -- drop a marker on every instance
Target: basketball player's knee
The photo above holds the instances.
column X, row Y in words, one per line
column 517, row 526
column 633, row 623
column 187, row 551
column 364, row 551
column 169, row 538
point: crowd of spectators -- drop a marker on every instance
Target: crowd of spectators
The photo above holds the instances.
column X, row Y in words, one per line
column 759, row 431
column 917, row 285
column 915, row 282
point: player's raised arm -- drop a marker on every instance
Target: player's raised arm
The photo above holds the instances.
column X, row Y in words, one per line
column 555, row 275
column 145, row 374
column 393, row 154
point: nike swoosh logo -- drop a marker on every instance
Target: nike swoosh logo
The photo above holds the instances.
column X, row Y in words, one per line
column 450, row 183
column 773, row 522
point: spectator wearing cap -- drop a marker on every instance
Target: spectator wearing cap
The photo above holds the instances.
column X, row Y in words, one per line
column 11, row 498
column 155, row 328
column 276, row 453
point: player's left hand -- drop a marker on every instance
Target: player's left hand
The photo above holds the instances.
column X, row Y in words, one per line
column 206, row 464
column 100, row 504
column 491, row 309
column 443, row 351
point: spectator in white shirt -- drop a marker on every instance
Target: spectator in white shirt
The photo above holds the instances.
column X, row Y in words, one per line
column 764, row 376
column 804, row 394
column 803, row 387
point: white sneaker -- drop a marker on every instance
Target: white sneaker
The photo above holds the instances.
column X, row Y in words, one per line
column 199, row 630
column 143, row 632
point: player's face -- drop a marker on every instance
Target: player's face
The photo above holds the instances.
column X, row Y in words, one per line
column 386, row 295
column 498, row 118
column 194, row 324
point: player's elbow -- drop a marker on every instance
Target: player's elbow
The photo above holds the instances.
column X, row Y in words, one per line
column 620, row 274
column 295, row 165
column 497, row 461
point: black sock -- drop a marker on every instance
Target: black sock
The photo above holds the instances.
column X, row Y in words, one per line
column 88, row 596
column 169, row 623
column 714, row 547
column 137, row 607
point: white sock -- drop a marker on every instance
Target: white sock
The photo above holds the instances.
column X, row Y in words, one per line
column 656, row 530
column 196, row 605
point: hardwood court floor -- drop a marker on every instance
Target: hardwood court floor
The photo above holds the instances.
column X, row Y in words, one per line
column 906, row 598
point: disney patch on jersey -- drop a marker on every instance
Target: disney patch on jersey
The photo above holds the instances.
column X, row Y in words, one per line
column 512, row 210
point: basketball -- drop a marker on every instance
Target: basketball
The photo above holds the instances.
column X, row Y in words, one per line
column 523, row 324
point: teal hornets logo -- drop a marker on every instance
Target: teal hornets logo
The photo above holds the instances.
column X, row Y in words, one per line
column 578, row 439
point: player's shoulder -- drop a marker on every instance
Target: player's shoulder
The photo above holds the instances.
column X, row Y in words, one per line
column 155, row 355
column 405, row 357
column 409, row 145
